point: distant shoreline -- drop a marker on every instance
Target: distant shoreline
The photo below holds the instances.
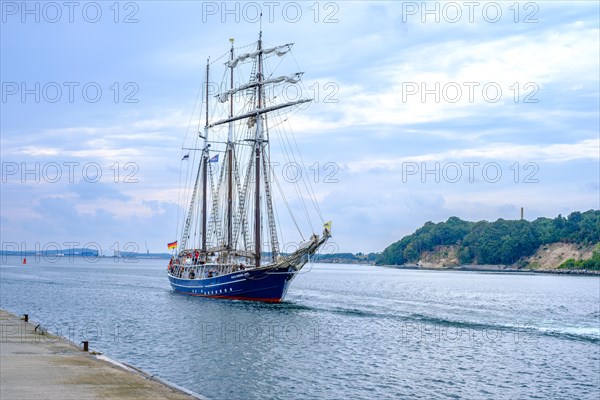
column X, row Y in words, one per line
column 156, row 256
column 497, row 268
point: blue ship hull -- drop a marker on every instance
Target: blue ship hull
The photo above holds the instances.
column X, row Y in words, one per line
column 264, row 284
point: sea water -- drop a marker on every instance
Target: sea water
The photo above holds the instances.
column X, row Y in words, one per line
column 344, row 331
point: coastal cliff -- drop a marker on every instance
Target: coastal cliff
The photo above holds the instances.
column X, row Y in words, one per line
column 543, row 244
column 547, row 257
column 555, row 255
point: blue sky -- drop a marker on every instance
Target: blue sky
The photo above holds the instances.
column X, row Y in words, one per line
column 428, row 110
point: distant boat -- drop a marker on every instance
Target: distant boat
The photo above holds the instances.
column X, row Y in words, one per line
column 237, row 254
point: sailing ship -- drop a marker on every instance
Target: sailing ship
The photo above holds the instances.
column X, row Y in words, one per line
column 236, row 252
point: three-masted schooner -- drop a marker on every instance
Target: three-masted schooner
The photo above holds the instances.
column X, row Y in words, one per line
column 237, row 252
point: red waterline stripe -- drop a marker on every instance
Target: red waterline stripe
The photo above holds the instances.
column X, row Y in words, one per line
column 261, row 299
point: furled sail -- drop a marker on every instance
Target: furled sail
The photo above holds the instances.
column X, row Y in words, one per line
column 278, row 50
column 293, row 78
column 259, row 112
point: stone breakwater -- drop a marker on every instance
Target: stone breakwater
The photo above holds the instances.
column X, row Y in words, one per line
column 35, row 364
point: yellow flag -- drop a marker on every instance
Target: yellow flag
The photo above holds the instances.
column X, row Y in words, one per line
column 327, row 226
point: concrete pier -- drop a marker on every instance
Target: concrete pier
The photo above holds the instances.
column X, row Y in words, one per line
column 36, row 365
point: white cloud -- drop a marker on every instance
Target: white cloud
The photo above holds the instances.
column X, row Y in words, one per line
column 566, row 59
column 583, row 150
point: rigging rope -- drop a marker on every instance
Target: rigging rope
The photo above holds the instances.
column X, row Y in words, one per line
column 179, row 197
column 245, row 101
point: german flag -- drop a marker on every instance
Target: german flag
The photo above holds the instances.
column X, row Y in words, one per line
column 172, row 245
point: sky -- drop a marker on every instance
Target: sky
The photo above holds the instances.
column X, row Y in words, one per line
column 421, row 111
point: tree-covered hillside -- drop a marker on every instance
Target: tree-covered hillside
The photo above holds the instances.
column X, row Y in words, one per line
column 499, row 242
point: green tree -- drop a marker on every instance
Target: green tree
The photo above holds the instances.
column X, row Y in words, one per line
column 499, row 242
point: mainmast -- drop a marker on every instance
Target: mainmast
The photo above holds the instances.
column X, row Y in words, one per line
column 258, row 157
column 205, row 166
column 258, row 144
column 230, row 162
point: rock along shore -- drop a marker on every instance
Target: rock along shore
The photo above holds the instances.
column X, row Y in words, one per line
column 495, row 268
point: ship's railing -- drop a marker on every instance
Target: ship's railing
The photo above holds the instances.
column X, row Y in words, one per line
column 204, row 271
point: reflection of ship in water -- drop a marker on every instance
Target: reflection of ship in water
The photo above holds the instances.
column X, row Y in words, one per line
column 230, row 244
